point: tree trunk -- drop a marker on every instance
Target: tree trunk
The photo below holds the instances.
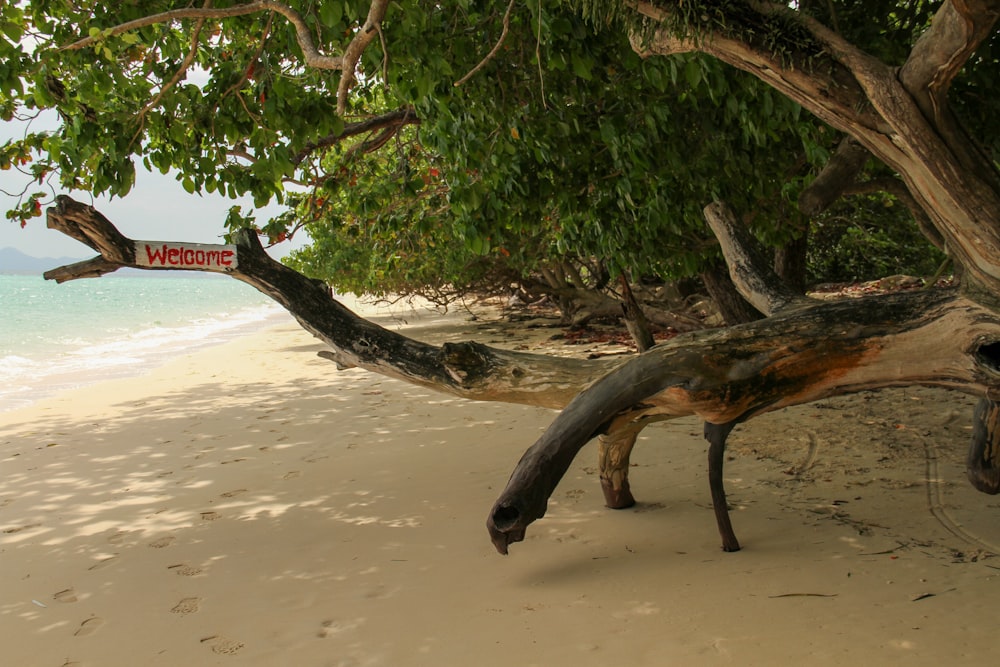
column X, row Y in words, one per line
column 731, row 304
column 635, row 319
column 790, row 262
column 983, row 462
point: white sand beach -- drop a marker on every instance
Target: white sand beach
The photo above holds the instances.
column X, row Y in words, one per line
column 249, row 504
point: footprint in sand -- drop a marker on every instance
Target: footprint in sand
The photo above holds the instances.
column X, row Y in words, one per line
column 89, row 627
column 223, row 645
column 18, row 529
column 186, row 606
column 103, row 562
column 291, row 475
column 331, row 628
column 68, row 595
column 185, row 570
column 116, row 538
column 161, row 542
column 210, row 516
column 233, row 493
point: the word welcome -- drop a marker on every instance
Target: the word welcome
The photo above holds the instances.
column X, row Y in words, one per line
column 205, row 257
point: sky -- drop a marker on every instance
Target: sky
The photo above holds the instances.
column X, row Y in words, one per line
column 157, row 209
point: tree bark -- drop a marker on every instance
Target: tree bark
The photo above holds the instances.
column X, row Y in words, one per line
column 635, row 319
column 732, row 306
column 790, row 262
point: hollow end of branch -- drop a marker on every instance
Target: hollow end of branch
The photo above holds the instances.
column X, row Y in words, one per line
column 505, row 527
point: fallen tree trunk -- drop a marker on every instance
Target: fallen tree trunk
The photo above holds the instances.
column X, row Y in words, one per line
column 929, row 338
column 805, row 351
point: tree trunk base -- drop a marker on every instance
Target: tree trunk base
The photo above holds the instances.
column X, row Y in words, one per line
column 617, row 498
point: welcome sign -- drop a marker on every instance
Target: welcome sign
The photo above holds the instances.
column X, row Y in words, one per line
column 192, row 256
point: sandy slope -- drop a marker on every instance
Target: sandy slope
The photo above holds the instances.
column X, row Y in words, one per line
column 250, row 505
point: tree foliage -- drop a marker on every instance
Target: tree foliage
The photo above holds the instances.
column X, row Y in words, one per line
column 562, row 142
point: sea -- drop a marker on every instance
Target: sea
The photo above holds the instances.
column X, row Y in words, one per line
column 55, row 337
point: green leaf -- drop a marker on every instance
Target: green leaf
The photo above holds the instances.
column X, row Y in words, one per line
column 692, row 72
column 330, row 13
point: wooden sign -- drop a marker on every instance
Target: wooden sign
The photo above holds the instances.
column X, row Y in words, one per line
column 192, row 256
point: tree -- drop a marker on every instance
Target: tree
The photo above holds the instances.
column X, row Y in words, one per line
column 267, row 113
column 554, row 166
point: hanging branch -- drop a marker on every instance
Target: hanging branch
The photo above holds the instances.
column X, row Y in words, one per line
column 494, row 50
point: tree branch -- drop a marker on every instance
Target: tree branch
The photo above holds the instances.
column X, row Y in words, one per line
column 352, row 54
column 957, row 30
column 395, row 120
column 855, row 93
column 817, row 81
column 469, row 370
column 942, row 50
column 750, row 271
column 494, row 50
column 313, row 58
column 837, row 174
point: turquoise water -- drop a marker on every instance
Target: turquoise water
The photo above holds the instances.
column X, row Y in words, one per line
column 59, row 336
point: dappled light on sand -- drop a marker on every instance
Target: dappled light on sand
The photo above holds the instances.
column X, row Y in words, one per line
column 282, row 512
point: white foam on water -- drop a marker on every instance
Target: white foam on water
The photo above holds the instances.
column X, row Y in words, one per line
column 43, row 361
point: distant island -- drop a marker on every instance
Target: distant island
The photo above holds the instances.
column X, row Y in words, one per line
column 15, row 261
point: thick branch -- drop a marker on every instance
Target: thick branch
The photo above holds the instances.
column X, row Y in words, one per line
column 942, row 50
column 750, row 271
column 394, row 120
column 352, row 54
column 826, row 87
column 957, row 30
column 839, row 173
column 313, row 58
column 930, row 338
column 469, row 370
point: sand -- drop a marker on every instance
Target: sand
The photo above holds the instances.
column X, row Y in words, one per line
column 249, row 504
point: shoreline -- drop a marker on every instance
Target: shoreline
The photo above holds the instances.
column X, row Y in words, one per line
column 23, row 391
column 251, row 505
